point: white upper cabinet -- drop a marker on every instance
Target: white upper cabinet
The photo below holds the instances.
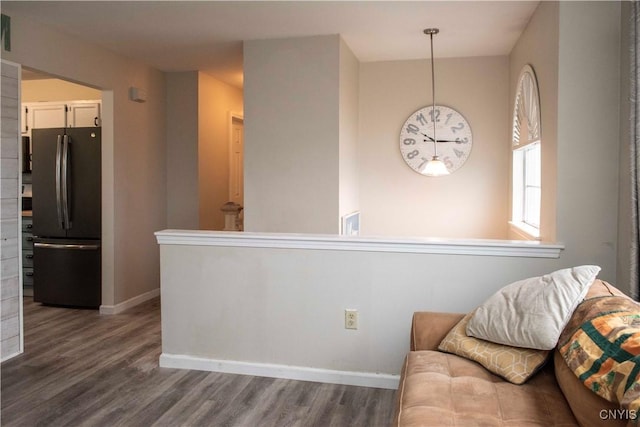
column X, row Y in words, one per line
column 38, row 115
column 45, row 115
column 83, row 114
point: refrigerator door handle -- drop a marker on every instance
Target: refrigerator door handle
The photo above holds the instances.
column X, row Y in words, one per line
column 65, row 182
column 59, row 181
column 90, row 247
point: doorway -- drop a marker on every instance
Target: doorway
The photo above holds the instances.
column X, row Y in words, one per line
column 48, row 102
column 236, row 160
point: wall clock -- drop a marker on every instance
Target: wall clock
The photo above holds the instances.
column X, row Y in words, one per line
column 526, row 109
column 453, row 134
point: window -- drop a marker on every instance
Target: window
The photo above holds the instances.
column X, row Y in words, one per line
column 527, row 188
column 527, row 158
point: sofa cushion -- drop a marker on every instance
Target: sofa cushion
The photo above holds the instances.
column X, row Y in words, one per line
column 532, row 312
column 514, row 364
column 441, row 389
column 428, row 329
column 600, row 288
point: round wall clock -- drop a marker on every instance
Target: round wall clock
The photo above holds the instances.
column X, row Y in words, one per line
column 453, row 139
column 526, row 109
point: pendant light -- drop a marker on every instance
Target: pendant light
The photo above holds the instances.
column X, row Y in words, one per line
column 435, row 166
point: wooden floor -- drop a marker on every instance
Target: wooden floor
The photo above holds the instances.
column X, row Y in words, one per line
column 83, row 369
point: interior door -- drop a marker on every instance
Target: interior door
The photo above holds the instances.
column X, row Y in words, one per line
column 236, row 162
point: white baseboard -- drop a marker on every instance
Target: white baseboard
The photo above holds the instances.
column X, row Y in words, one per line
column 132, row 302
column 11, row 356
column 361, row 379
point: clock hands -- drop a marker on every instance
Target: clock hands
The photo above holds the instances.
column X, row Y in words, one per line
column 440, row 140
column 427, row 136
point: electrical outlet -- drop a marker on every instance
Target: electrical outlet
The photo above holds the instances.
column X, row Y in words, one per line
column 351, row 319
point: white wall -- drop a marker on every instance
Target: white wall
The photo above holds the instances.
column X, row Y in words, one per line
column 182, row 150
column 395, row 200
column 291, row 91
column 245, row 307
column 133, row 149
column 589, row 131
column 56, row 90
column 574, row 47
column 349, row 186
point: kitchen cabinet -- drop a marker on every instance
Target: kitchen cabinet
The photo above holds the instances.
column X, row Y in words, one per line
column 27, row 255
column 83, row 114
column 43, row 115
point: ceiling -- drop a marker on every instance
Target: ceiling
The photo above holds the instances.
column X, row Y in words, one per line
column 208, row 35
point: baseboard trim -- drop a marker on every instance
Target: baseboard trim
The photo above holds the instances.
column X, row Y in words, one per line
column 132, row 302
column 361, row 379
column 11, row 356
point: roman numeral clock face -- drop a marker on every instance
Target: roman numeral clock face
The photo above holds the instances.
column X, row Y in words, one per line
column 453, row 138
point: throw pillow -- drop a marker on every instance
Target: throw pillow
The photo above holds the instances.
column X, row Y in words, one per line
column 533, row 312
column 601, row 346
column 515, row 365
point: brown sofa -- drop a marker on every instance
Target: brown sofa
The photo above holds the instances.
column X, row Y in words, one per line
column 442, row 389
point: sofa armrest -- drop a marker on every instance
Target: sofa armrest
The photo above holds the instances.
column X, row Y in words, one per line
column 429, row 328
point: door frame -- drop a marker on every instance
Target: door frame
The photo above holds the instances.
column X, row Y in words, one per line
column 18, row 199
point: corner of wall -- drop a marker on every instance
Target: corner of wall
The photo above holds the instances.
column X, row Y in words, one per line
column 182, row 149
column 348, row 180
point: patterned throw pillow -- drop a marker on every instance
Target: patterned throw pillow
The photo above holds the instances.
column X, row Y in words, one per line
column 514, row 364
column 601, row 345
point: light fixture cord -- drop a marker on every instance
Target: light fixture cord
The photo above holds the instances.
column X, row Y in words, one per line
column 433, row 93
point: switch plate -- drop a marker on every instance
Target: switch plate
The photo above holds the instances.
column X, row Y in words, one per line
column 351, row 319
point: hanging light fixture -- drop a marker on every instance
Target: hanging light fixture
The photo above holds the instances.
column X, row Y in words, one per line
column 435, row 166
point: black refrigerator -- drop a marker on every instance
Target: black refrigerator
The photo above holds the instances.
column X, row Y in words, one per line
column 66, row 204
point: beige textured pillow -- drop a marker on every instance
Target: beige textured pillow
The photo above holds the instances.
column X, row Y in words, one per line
column 515, row 365
column 533, row 312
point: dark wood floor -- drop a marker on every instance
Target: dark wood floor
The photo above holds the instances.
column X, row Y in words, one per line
column 83, row 369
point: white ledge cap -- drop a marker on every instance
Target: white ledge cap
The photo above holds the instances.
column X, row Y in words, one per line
column 426, row 245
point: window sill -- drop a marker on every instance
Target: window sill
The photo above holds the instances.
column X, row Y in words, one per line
column 525, row 230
